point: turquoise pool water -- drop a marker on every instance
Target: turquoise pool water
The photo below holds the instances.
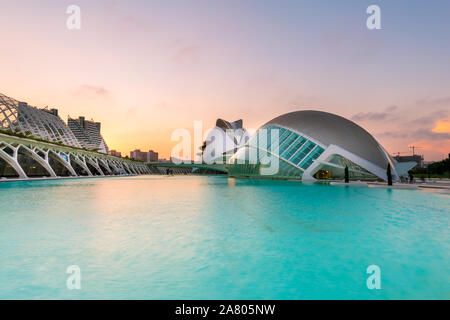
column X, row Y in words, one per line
column 192, row 237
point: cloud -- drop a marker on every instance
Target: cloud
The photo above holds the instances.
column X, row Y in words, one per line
column 391, row 108
column 428, row 101
column 434, row 145
column 376, row 116
column 430, row 135
column 442, row 126
column 393, row 134
column 370, row 116
column 420, row 134
column 429, row 119
column 426, row 125
column 89, row 91
column 187, row 55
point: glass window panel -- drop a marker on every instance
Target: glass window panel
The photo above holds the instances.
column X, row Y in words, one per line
column 288, row 142
column 311, row 157
column 281, row 131
column 263, row 136
column 302, row 152
column 283, row 137
column 265, row 142
column 293, row 148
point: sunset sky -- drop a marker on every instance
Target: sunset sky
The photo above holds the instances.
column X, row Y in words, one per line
column 146, row 68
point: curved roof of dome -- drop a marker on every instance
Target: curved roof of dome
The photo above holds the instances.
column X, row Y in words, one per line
column 329, row 128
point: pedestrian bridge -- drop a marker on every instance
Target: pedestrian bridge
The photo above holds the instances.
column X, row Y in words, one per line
column 28, row 158
column 186, row 168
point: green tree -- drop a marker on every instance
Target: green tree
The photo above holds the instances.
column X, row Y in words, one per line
column 389, row 175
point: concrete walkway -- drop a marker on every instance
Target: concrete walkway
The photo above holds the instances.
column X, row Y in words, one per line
column 61, row 178
column 444, row 185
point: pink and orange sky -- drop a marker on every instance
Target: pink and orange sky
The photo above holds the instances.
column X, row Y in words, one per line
column 146, row 68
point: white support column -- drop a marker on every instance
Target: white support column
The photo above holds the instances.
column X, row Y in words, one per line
column 12, row 161
column 106, row 165
column 41, row 154
column 113, row 165
column 42, row 161
column 130, row 169
column 121, row 167
column 82, row 163
column 65, row 163
column 125, row 168
column 94, row 163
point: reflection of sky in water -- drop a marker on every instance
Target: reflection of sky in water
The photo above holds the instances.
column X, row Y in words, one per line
column 217, row 237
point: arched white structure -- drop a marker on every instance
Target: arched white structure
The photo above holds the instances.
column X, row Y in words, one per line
column 13, row 149
column 309, row 141
column 223, row 140
column 19, row 117
column 24, row 151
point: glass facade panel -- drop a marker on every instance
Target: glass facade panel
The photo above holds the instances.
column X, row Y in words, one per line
column 341, row 161
column 311, row 157
column 281, row 131
column 288, row 142
column 296, row 152
column 266, row 143
column 283, row 138
column 263, row 137
column 302, row 152
column 293, row 148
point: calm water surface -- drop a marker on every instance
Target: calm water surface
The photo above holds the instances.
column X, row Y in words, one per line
column 189, row 237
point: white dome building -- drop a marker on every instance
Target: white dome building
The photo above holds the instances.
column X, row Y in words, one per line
column 314, row 145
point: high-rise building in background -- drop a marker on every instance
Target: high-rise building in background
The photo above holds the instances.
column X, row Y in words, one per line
column 115, row 153
column 149, row 156
column 88, row 134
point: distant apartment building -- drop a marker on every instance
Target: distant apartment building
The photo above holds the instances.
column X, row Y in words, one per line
column 88, row 134
column 115, row 153
column 149, row 156
column 414, row 158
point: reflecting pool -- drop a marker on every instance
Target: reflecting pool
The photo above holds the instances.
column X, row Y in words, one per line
column 212, row 237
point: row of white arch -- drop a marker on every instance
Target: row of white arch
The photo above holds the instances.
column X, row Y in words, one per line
column 103, row 164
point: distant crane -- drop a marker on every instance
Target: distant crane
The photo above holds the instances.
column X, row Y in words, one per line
column 414, row 148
